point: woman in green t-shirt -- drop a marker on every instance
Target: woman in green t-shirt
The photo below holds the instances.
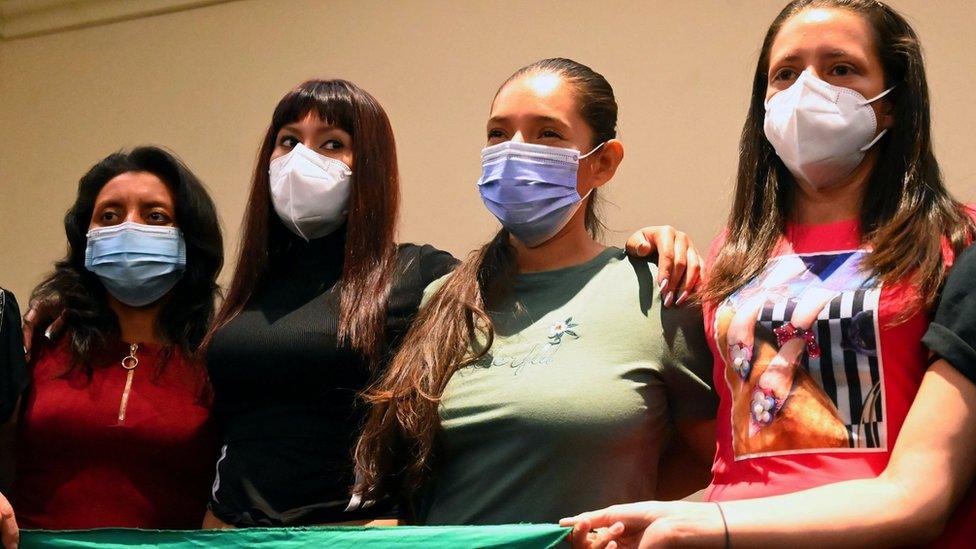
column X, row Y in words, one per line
column 544, row 347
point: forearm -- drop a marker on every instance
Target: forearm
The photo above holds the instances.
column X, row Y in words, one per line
column 857, row 513
column 931, row 468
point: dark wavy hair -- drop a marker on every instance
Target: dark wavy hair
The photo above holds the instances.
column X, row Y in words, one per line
column 188, row 311
column 370, row 248
column 907, row 215
column 397, row 446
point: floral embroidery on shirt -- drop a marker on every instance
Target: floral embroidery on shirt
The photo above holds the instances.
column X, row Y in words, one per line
column 540, row 353
column 560, row 329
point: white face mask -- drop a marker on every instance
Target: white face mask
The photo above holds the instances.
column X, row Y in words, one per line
column 310, row 191
column 821, row 131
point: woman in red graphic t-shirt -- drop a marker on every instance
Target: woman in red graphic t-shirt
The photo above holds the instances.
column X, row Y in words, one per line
column 114, row 429
column 839, row 239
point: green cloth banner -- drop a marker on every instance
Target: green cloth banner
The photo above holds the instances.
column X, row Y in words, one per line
column 517, row 536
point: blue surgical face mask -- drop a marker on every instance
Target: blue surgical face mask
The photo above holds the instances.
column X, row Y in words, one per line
column 138, row 264
column 530, row 188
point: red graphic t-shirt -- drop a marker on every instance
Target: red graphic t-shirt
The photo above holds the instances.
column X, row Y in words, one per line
column 816, row 367
column 814, row 375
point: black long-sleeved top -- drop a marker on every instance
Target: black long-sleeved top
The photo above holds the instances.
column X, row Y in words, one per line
column 13, row 368
column 285, row 391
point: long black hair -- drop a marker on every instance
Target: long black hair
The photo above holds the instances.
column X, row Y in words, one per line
column 187, row 313
column 370, row 247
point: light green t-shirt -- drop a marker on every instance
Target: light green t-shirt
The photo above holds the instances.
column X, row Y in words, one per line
column 569, row 410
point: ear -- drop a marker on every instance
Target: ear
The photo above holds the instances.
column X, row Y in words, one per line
column 604, row 164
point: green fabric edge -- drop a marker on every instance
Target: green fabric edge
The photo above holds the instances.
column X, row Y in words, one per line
column 354, row 537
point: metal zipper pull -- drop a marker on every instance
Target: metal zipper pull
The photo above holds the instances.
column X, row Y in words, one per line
column 129, row 363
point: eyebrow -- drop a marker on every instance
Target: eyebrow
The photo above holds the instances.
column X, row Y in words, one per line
column 831, row 54
column 326, row 128
column 155, row 204
column 109, row 203
column 115, row 203
column 538, row 118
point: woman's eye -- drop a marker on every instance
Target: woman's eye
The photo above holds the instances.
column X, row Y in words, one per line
column 784, row 75
column 550, row 134
column 332, row 145
column 842, row 70
column 108, row 217
column 495, row 134
column 288, row 141
column 158, row 217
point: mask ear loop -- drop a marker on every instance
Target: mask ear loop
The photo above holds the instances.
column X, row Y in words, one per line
column 583, row 198
column 592, row 151
column 884, row 131
column 876, row 97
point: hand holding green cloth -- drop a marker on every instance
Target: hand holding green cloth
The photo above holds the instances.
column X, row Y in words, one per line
column 517, row 536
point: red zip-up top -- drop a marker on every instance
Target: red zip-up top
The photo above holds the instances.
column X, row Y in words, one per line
column 92, row 454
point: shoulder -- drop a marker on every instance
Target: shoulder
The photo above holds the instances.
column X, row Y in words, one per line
column 8, row 304
column 635, row 273
column 424, row 261
column 953, row 330
column 433, row 287
column 638, row 277
column 51, row 357
column 716, row 246
column 962, row 276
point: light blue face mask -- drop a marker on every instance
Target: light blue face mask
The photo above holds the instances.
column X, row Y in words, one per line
column 530, row 188
column 138, row 264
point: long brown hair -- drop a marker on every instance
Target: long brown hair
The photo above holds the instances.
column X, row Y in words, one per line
column 454, row 329
column 907, row 213
column 370, row 249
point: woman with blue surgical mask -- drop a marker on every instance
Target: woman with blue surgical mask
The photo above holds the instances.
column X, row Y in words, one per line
column 544, row 345
column 321, row 297
column 114, row 429
column 836, row 426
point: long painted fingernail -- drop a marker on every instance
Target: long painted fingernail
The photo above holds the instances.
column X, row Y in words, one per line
column 47, row 332
column 669, row 299
column 682, row 298
column 664, row 285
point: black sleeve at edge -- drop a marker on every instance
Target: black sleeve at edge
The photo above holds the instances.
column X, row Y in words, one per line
column 13, row 366
column 952, row 334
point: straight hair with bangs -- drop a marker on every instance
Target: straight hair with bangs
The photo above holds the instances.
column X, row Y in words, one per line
column 370, row 250
column 907, row 216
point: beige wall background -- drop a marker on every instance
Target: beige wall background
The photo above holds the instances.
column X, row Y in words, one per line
column 204, row 81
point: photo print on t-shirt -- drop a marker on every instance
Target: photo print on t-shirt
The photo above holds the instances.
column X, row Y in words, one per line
column 800, row 348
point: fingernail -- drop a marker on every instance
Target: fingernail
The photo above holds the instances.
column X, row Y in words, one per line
column 684, row 296
column 47, row 332
column 664, row 285
column 668, row 299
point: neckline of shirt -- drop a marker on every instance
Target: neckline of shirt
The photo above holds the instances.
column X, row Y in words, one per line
column 821, row 237
column 523, row 280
